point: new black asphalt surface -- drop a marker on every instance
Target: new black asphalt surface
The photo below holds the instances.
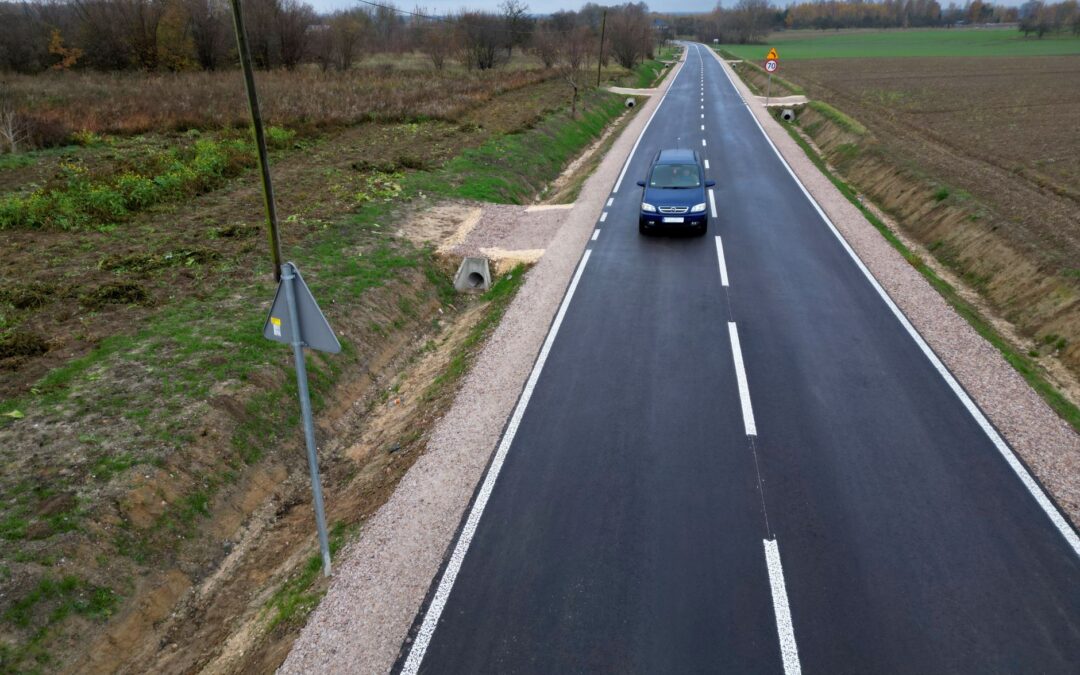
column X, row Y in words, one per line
column 625, row 532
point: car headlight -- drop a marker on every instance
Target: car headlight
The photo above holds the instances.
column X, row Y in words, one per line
column 698, row 208
column 648, row 207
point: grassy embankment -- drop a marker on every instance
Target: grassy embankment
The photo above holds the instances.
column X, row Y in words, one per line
column 133, row 402
column 649, row 73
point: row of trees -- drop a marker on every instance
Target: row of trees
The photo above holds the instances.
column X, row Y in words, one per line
column 191, row 34
column 750, row 21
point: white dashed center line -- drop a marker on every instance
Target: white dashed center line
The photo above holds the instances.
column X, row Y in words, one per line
column 706, row 164
column 610, row 200
column 712, row 198
column 603, row 216
column 703, row 142
column 723, row 265
column 740, row 376
column 788, row 649
column 595, row 233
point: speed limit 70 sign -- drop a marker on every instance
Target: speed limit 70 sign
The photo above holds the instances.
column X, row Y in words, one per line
column 771, row 65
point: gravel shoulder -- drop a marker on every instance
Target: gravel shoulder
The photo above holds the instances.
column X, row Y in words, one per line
column 383, row 576
column 1041, row 439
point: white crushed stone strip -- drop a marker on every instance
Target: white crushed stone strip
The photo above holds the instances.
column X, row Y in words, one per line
column 548, row 207
column 383, row 576
column 986, row 384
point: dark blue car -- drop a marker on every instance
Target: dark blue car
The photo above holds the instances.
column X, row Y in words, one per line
column 674, row 196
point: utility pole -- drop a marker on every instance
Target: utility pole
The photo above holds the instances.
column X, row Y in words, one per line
column 600, row 58
column 260, row 137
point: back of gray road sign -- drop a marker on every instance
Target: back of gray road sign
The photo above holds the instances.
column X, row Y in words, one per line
column 315, row 332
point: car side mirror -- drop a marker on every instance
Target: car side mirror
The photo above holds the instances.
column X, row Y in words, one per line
column 710, row 183
column 641, row 183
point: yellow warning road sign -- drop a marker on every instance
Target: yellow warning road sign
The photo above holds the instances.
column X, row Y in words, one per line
column 772, row 55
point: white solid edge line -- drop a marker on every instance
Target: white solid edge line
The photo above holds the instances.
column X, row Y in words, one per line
column 712, row 202
column 630, row 157
column 453, row 566
column 789, row 651
column 603, row 216
column 595, row 234
column 1010, row 457
column 723, row 265
column 740, row 376
column 706, row 164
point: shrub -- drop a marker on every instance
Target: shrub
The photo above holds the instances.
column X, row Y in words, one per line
column 85, row 202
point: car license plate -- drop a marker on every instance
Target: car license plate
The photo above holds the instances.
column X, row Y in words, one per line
column 671, row 219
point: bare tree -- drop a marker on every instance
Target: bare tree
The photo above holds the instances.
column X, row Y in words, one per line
column 14, row 128
column 437, row 40
column 628, row 27
column 546, row 45
column 349, row 31
column 208, row 24
column 575, row 48
column 481, row 39
column 291, row 23
column 516, row 23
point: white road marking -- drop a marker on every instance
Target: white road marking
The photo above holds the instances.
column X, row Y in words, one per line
column 740, row 376
column 595, row 233
column 603, row 216
column 702, row 115
column 703, row 127
column 712, row 201
column 703, row 142
column 1022, row 473
column 789, row 651
column 723, row 265
column 706, row 164
column 610, row 201
column 630, row 157
column 453, row 566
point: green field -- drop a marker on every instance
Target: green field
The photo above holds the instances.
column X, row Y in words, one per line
column 816, row 44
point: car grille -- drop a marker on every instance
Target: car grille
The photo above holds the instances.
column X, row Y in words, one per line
column 674, row 209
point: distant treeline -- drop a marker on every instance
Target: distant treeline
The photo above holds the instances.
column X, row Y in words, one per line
column 162, row 35
column 751, row 20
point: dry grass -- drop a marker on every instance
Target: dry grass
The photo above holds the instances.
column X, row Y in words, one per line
column 130, row 103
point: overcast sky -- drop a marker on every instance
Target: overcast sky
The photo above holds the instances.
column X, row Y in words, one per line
column 535, row 6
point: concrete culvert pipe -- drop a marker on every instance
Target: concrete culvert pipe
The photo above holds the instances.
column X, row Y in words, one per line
column 788, row 115
column 474, row 274
column 630, row 103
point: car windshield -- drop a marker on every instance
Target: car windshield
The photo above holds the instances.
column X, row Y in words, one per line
column 674, row 176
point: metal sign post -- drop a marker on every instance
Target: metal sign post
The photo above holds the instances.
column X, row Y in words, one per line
column 295, row 317
column 772, row 62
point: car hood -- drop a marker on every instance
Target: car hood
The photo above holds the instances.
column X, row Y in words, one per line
column 674, row 197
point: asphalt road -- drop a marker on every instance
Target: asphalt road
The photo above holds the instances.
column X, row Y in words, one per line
column 766, row 475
